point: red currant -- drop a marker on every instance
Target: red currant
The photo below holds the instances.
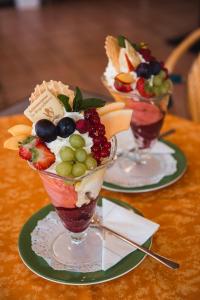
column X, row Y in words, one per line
column 105, row 153
column 82, row 126
column 107, row 145
column 95, row 148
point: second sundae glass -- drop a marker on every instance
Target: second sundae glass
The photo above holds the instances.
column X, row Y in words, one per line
column 146, row 122
column 75, row 200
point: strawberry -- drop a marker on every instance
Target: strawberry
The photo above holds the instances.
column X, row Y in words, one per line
column 130, row 66
column 42, row 157
column 26, row 146
column 140, row 86
column 34, row 150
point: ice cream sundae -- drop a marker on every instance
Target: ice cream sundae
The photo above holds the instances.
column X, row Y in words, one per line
column 133, row 75
column 70, row 142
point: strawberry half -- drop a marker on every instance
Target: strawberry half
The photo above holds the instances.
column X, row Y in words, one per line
column 140, row 86
column 42, row 157
column 26, row 146
column 34, row 150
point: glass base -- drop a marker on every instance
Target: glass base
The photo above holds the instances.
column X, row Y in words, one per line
column 147, row 165
column 78, row 251
column 131, row 171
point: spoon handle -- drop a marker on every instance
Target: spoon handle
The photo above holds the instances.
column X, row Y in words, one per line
column 167, row 262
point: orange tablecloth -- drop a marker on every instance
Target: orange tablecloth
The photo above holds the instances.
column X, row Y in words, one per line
column 175, row 208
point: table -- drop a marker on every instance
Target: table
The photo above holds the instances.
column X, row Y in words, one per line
column 176, row 208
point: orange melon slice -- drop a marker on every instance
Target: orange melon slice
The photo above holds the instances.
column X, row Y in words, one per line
column 20, row 129
column 116, row 121
column 13, row 142
column 110, row 107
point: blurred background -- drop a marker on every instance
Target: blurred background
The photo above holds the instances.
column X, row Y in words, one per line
column 64, row 40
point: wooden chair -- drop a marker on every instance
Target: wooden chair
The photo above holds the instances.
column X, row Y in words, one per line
column 193, row 82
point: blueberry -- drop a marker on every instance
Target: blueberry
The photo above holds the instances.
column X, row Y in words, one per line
column 154, row 67
column 66, row 127
column 46, row 130
column 143, row 70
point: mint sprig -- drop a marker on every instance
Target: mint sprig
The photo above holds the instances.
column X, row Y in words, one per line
column 78, row 99
column 80, row 104
column 65, row 101
column 121, row 41
column 92, row 103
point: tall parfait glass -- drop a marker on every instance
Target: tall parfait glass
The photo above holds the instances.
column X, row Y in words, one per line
column 75, row 201
column 146, row 122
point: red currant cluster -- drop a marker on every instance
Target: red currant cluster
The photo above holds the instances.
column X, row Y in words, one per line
column 101, row 147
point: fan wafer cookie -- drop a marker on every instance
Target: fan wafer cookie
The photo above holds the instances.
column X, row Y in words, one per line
column 55, row 87
column 112, row 51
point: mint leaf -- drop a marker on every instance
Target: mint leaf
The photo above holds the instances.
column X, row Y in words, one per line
column 136, row 46
column 78, row 99
column 92, row 103
column 121, row 41
column 65, row 101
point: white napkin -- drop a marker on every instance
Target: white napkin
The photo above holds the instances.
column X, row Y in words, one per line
column 126, row 141
column 127, row 223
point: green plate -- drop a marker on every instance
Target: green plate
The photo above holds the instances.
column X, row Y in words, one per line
column 40, row 267
column 166, row 181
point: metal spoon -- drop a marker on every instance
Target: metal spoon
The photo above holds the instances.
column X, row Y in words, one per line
column 165, row 261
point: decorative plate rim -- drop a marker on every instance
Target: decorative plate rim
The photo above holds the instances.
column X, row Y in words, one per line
column 76, row 282
column 152, row 187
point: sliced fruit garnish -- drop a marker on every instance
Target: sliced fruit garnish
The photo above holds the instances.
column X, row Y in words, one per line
column 140, row 86
column 35, row 151
column 20, row 129
column 13, row 142
column 116, row 121
column 130, row 66
column 26, row 146
column 122, row 87
column 110, row 107
column 132, row 54
column 125, row 78
column 42, row 157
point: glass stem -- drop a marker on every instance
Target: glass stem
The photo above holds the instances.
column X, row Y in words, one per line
column 78, row 237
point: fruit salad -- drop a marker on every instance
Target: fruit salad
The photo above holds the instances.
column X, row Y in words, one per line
column 133, row 69
column 69, row 141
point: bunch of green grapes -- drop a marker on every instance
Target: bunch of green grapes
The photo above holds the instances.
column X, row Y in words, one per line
column 75, row 160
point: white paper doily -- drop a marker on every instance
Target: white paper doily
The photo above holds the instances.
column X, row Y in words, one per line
column 115, row 175
column 42, row 238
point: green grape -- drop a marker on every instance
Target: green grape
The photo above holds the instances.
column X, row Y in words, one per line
column 157, row 80
column 162, row 74
column 148, row 88
column 157, row 90
column 67, row 154
column 64, row 168
column 76, row 141
column 168, row 84
column 163, row 89
column 78, row 169
column 80, row 155
column 91, row 163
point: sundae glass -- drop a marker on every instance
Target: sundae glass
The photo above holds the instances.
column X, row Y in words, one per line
column 133, row 76
column 70, row 143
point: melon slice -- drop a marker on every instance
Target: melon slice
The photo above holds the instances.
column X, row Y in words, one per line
column 13, row 142
column 116, row 121
column 110, row 107
column 20, row 129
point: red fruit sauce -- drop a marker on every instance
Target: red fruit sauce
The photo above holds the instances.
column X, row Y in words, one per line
column 146, row 122
column 77, row 219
